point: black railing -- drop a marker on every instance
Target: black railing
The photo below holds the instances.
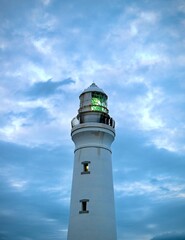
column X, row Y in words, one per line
column 105, row 119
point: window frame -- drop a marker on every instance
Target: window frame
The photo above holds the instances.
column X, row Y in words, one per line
column 84, row 206
column 85, row 164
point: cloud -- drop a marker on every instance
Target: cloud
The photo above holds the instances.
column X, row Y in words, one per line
column 149, row 187
column 51, row 51
column 37, row 109
column 161, row 189
column 26, row 178
column 45, row 89
column 46, row 2
column 170, row 236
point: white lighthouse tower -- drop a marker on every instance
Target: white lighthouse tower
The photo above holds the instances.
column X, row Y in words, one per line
column 92, row 212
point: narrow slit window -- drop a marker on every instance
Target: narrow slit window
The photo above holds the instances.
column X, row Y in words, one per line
column 84, row 206
column 85, row 167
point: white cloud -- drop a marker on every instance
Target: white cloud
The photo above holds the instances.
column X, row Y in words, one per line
column 10, row 176
column 150, row 58
column 43, row 46
column 171, row 139
column 163, row 189
column 54, row 133
column 142, row 109
column 3, row 44
column 149, row 120
column 23, row 129
column 62, row 188
column 43, row 20
column 181, row 6
column 129, row 56
column 35, row 73
column 151, row 226
column 132, row 24
column 17, row 184
column 135, row 188
column 46, row 2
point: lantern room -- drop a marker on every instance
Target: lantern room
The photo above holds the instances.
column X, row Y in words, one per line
column 93, row 99
column 93, row 107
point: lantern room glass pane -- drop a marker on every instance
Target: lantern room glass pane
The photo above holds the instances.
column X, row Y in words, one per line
column 99, row 102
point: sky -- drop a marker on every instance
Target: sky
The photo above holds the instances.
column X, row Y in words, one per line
column 50, row 51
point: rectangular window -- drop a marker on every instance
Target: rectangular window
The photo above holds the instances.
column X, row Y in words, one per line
column 84, row 206
column 85, row 166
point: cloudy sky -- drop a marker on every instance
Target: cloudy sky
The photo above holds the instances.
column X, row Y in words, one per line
column 50, row 50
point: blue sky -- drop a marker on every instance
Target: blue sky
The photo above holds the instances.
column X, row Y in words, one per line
column 50, row 50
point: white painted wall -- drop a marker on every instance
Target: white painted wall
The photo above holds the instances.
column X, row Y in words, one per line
column 92, row 143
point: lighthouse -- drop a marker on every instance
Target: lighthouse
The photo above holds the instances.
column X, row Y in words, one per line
column 92, row 210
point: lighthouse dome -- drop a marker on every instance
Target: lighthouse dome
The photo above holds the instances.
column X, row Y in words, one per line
column 93, row 88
